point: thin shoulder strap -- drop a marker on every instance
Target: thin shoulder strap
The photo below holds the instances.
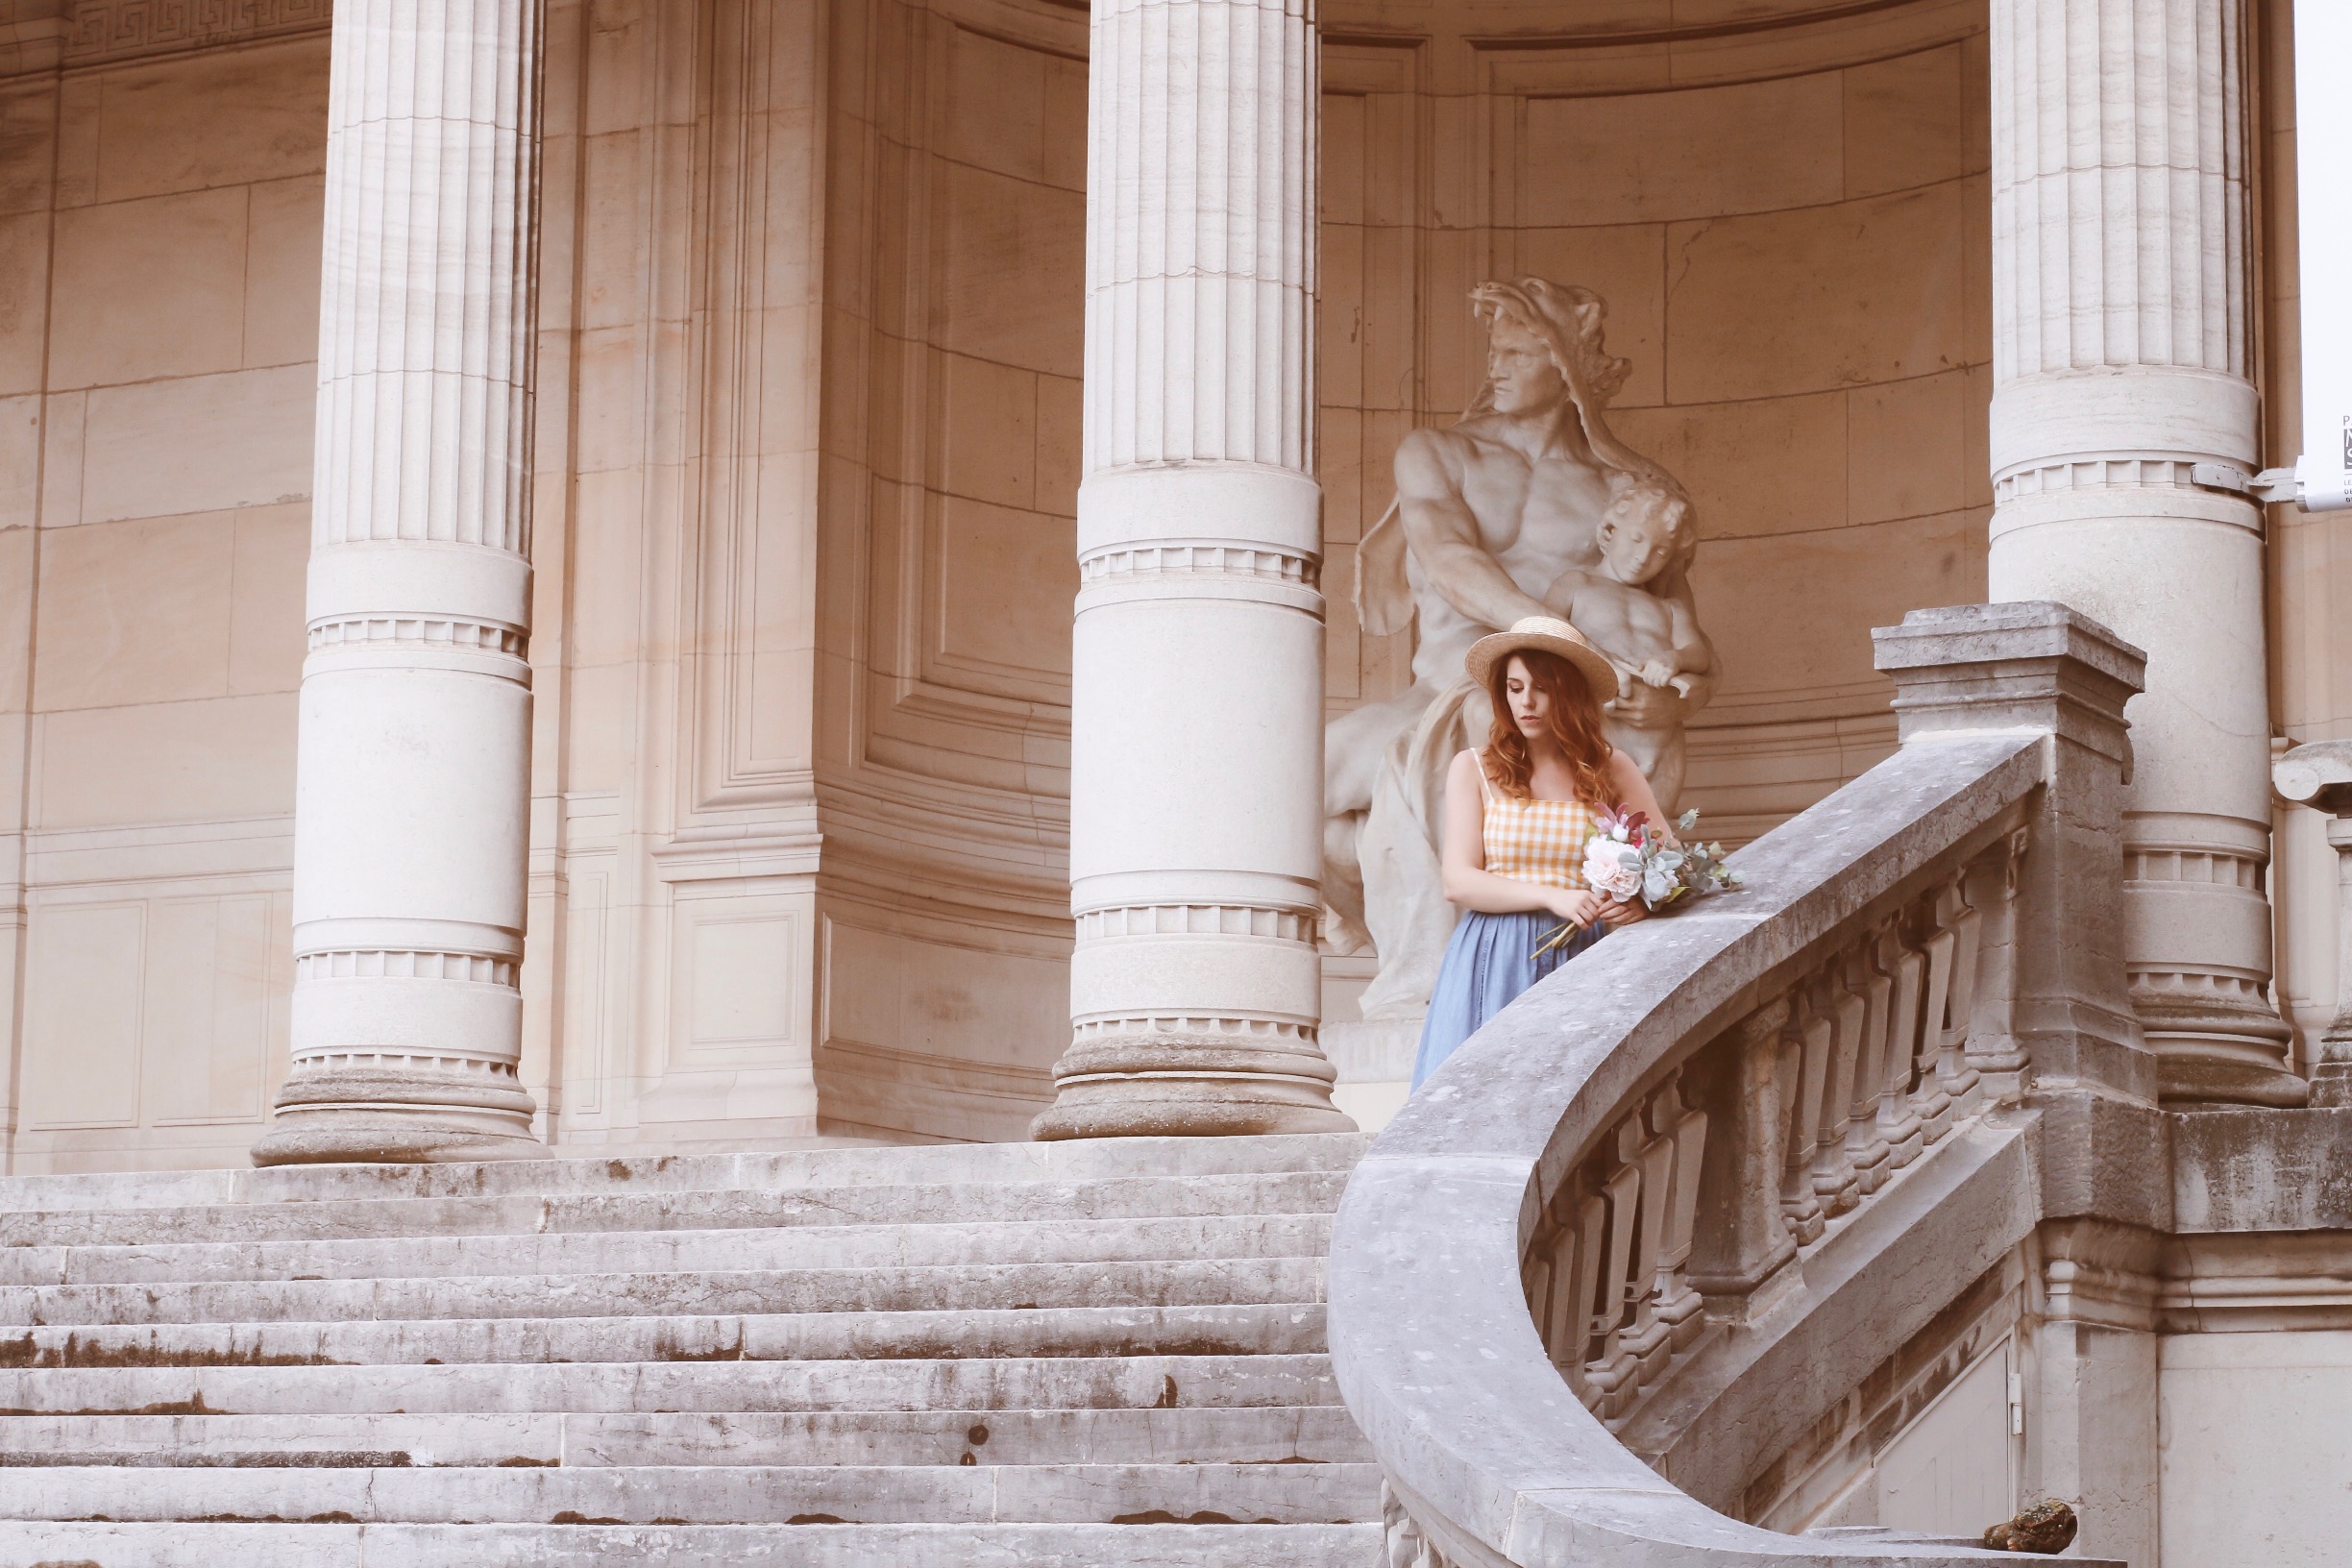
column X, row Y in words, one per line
column 1486, row 795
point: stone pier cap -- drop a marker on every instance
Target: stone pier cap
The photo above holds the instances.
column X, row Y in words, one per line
column 2026, row 665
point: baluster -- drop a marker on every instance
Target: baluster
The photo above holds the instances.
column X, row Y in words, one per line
column 1403, row 1546
column 1535, row 1277
column 1991, row 1045
column 1866, row 1140
column 1648, row 1338
column 1804, row 1058
column 1575, row 1277
column 1933, row 1098
column 1839, row 1011
column 1966, row 923
column 1611, row 1373
column 1899, row 1112
column 1678, row 1306
column 1741, row 1239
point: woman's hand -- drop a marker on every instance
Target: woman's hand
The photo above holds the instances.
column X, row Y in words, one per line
column 1620, row 912
column 1576, row 905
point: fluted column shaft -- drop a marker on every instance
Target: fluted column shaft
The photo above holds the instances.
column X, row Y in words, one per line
column 411, row 798
column 1196, row 704
column 2121, row 328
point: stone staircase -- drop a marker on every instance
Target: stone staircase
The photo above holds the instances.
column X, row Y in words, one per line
column 1046, row 1355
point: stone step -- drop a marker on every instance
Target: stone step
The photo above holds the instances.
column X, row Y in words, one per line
column 689, row 1546
column 1219, row 1330
column 939, row 1164
column 618, row 1251
column 1264, row 1434
column 1284, row 1192
column 1266, row 1494
column 1049, row 1356
column 1071, row 1382
column 961, row 1287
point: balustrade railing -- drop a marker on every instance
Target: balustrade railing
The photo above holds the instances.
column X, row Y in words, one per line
column 1871, row 1058
column 1635, row 1158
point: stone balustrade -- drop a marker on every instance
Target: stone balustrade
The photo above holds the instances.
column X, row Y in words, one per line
column 1868, row 1060
column 1691, row 1133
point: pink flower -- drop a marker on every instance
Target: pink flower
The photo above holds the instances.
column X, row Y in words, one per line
column 1612, row 866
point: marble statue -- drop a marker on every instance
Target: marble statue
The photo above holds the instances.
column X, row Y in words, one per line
column 1526, row 506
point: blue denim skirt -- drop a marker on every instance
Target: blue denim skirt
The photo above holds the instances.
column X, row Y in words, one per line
column 1487, row 964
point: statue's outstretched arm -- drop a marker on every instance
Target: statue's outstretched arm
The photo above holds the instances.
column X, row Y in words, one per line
column 1445, row 538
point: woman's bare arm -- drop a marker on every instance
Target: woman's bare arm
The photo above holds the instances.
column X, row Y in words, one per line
column 1634, row 794
column 1462, row 858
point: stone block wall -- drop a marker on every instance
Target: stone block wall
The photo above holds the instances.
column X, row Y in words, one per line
column 160, row 259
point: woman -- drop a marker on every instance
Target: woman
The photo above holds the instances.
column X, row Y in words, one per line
column 1517, row 817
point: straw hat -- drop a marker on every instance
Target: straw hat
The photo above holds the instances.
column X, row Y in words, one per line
column 1546, row 635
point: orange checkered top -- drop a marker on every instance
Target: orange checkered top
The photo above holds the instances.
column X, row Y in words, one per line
column 1535, row 840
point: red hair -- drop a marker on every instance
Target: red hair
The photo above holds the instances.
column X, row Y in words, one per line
column 1573, row 719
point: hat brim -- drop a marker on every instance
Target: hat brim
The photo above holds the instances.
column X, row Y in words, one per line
column 1490, row 651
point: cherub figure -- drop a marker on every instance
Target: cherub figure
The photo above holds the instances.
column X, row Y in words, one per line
column 1647, row 531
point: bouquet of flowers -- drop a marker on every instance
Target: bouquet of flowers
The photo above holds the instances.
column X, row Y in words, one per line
column 1625, row 858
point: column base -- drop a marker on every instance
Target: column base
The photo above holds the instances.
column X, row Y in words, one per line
column 367, row 1116
column 1189, row 1086
column 2230, row 1061
column 2331, row 1084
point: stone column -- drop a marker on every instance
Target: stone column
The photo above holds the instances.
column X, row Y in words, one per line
column 2121, row 322
column 1196, row 704
column 413, row 767
column 2320, row 775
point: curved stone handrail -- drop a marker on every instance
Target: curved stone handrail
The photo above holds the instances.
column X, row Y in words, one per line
column 1492, row 1457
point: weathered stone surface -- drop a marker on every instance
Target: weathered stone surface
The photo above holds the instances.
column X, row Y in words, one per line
column 1257, row 1434
column 1111, row 1354
column 687, row 1494
column 737, row 1546
column 681, row 1251
column 2249, row 1169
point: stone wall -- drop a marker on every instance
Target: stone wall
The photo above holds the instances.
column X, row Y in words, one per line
column 954, row 319
column 158, row 417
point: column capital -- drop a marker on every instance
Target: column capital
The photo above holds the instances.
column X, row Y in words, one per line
column 2318, row 774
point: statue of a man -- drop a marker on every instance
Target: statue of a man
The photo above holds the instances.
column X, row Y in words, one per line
column 1501, row 516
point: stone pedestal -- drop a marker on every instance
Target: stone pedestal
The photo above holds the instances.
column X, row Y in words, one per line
column 414, row 765
column 2121, row 360
column 2091, row 1436
column 1196, row 704
column 2042, row 666
column 2320, row 775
